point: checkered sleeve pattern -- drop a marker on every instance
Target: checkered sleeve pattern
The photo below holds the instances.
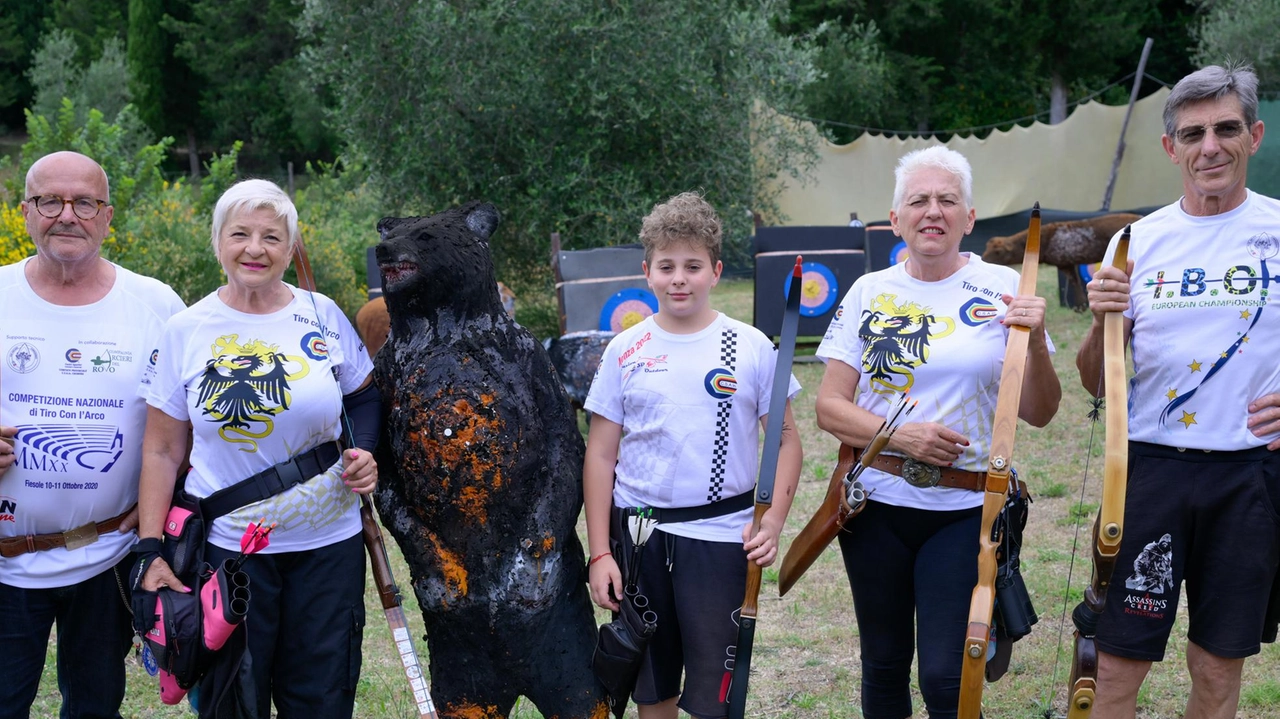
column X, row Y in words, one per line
column 720, row 449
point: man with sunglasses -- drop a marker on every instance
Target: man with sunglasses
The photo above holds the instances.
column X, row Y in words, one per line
column 76, row 346
column 1203, row 496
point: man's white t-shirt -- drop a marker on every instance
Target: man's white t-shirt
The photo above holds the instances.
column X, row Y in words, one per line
column 70, row 384
column 1205, row 337
column 690, row 408
column 941, row 341
column 259, row 389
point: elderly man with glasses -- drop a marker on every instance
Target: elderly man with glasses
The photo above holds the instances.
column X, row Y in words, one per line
column 76, row 347
column 1203, row 493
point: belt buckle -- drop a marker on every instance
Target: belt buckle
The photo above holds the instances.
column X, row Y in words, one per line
column 81, row 536
column 921, row 474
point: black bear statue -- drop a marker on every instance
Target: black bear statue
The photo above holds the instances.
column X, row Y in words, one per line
column 480, row 478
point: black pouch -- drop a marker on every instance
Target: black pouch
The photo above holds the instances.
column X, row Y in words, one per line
column 621, row 644
column 184, row 537
column 1014, row 614
column 175, row 637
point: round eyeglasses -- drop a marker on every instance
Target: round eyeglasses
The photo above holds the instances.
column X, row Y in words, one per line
column 86, row 208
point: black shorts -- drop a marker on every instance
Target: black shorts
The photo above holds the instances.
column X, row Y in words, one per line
column 1211, row 518
column 696, row 588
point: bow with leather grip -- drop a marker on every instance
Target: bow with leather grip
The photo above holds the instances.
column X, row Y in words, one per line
column 999, row 473
column 1109, row 527
column 379, row 560
column 764, row 492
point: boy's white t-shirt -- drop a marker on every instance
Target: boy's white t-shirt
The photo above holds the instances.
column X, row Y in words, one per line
column 690, row 408
column 941, row 341
column 71, row 382
column 1205, row 336
column 258, row 390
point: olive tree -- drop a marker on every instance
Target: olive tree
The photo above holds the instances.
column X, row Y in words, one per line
column 570, row 115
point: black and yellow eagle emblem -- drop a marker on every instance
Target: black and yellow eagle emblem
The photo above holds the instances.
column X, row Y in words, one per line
column 244, row 387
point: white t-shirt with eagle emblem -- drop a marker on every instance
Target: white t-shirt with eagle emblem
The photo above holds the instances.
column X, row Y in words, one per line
column 941, row 341
column 259, row 389
column 690, row 408
column 71, row 381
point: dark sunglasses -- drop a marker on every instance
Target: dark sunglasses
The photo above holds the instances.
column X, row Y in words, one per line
column 1223, row 130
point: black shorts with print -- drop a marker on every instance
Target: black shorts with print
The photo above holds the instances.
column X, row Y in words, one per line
column 1210, row 518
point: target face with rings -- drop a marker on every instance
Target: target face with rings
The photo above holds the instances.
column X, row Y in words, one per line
column 627, row 308
column 898, row 254
column 1087, row 271
column 818, row 289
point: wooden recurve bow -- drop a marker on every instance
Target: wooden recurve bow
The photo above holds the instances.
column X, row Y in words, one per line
column 388, row 592
column 1000, row 465
column 764, row 493
column 1109, row 528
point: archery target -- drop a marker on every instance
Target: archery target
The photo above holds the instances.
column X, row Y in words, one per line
column 627, row 308
column 898, row 254
column 819, row 289
column 1087, row 271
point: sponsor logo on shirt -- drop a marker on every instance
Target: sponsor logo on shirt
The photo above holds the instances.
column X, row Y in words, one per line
column 155, row 356
column 23, row 358
column 8, row 508
column 978, row 311
column 62, row 448
column 720, row 383
column 72, row 366
column 314, row 346
column 108, row 361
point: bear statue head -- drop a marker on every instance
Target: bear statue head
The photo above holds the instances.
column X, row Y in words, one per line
column 439, row 264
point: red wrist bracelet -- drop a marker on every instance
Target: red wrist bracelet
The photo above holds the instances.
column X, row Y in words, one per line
column 598, row 557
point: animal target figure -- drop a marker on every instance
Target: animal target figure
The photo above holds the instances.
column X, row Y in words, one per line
column 481, row 463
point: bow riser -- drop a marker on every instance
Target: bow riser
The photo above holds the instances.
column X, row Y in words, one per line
column 1108, row 530
column 741, row 673
column 1004, row 429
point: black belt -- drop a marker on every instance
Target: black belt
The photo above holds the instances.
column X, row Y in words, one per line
column 270, row 481
column 718, row 508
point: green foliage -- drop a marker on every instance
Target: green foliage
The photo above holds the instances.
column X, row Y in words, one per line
column 1241, row 30
column 251, row 86
column 1264, row 694
column 220, row 173
column 992, row 60
column 101, row 85
column 91, row 23
column 167, row 237
column 20, row 22
column 855, row 78
column 1079, row 513
column 338, row 213
column 133, row 168
column 568, row 115
column 146, row 59
column 1053, row 490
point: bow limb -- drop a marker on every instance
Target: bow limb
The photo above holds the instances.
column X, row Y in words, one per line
column 740, row 675
column 379, row 560
column 1109, row 528
column 1004, row 427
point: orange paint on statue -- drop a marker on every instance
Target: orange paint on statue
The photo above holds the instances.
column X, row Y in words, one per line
column 455, row 575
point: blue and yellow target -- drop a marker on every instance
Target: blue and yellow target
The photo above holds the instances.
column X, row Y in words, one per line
column 1087, row 271
column 818, row 289
column 626, row 309
column 898, row 254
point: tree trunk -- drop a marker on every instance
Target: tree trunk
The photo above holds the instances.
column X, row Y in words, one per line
column 1057, row 99
column 193, row 154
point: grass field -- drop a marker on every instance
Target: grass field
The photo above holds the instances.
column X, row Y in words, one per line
column 806, row 651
